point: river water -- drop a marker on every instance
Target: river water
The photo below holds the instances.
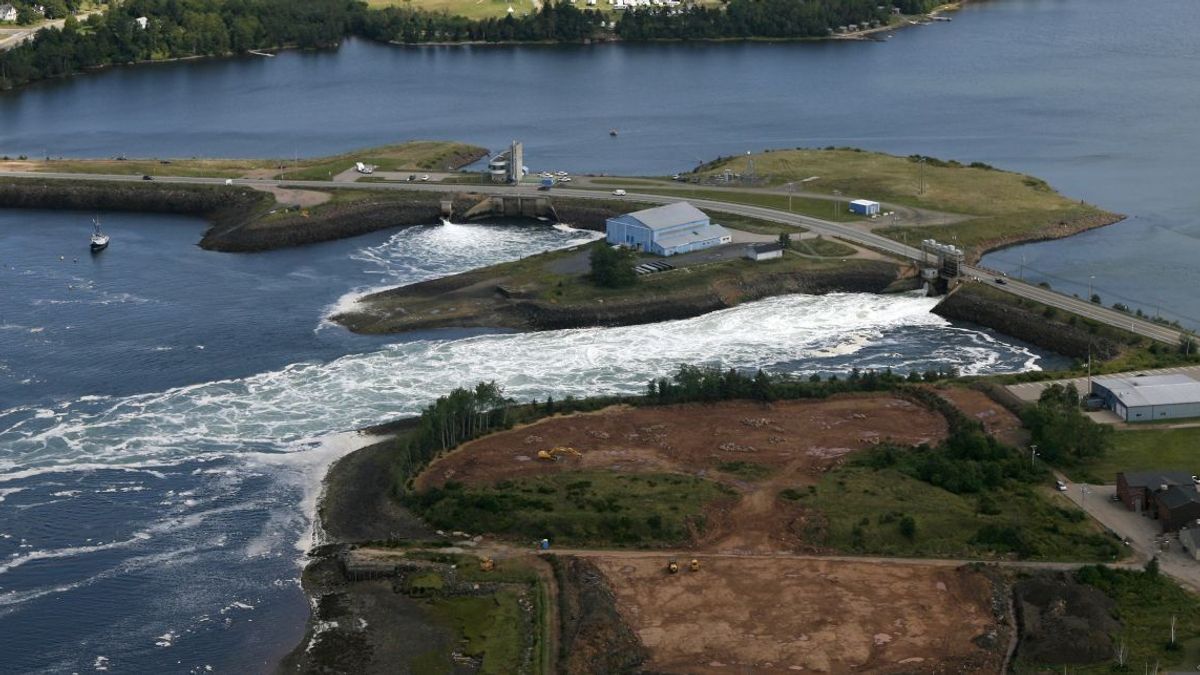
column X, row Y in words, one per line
column 166, row 413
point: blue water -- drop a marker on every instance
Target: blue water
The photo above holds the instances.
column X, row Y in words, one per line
column 166, row 413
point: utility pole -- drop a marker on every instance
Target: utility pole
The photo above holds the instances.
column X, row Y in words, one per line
column 1032, row 455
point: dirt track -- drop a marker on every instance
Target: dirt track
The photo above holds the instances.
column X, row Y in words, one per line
column 781, row 615
column 996, row 419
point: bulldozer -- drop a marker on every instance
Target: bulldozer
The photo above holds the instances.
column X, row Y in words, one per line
column 553, row 454
column 487, row 564
column 672, row 566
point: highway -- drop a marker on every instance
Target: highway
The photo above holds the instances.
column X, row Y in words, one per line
column 1046, row 296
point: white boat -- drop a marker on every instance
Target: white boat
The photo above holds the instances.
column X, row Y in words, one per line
column 99, row 239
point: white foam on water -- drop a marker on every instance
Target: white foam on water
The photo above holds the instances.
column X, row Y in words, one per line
column 70, row 552
column 5, row 492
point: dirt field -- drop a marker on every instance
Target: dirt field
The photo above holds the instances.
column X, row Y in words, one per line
column 777, row 615
column 796, row 440
column 996, row 419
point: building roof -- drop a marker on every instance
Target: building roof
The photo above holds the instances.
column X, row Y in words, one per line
column 670, row 215
column 1190, row 538
column 1156, row 478
column 1177, row 496
column 702, row 233
column 1149, row 390
column 864, row 202
column 766, row 247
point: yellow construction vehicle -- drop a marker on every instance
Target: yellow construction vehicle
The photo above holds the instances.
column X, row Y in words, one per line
column 487, row 564
column 672, row 567
column 554, row 453
column 695, row 565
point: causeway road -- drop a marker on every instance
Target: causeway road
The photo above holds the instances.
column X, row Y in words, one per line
column 978, row 274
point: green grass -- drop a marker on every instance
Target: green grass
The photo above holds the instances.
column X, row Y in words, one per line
column 415, row 155
column 1142, row 449
column 821, row 246
column 825, row 209
column 1006, row 206
column 487, row 627
column 863, row 508
column 746, row 470
column 755, row 225
column 577, row 508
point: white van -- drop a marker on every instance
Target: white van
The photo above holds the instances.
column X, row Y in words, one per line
column 619, row 193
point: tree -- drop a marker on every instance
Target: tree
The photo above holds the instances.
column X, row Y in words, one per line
column 612, row 267
column 908, row 527
column 785, row 240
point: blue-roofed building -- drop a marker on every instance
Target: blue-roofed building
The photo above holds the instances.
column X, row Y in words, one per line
column 666, row 230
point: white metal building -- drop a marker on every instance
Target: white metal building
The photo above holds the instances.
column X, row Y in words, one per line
column 864, row 207
column 666, row 230
column 1149, row 398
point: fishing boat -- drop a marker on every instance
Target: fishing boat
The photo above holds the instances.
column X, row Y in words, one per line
column 99, row 239
column 612, row 132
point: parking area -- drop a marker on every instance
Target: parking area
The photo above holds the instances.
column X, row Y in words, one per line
column 1143, row 534
column 1029, row 392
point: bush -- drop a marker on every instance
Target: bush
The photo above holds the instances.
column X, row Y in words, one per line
column 908, row 527
column 612, row 267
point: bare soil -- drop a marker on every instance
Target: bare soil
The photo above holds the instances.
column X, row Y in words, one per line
column 796, row 440
column 767, row 615
column 786, row 445
column 996, row 419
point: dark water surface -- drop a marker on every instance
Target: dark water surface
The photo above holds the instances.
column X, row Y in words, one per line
column 165, row 412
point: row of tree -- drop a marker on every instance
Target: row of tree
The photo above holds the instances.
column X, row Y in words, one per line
column 184, row 28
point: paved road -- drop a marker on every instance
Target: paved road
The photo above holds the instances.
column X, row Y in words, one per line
column 849, row 233
column 1144, row 534
column 25, row 33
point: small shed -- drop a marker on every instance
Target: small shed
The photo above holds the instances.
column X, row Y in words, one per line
column 1189, row 537
column 864, row 207
column 767, row 250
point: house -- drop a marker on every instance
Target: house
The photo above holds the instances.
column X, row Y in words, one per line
column 666, row 230
column 864, row 207
column 1150, row 397
column 1136, row 488
column 764, row 251
column 8, row 13
column 1177, row 506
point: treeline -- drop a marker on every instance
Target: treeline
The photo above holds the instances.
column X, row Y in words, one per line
column 560, row 22
column 759, row 18
column 691, row 384
column 1062, row 433
column 186, row 28
column 176, row 29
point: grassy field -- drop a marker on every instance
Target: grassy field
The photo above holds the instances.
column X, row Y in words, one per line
column 1145, row 448
column 487, row 627
column 415, row 155
column 578, row 508
column 863, row 507
column 1005, row 205
column 818, row 208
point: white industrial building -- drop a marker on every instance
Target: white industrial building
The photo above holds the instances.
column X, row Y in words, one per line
column 666, row 230
column 864, row 207
column 1150, row 397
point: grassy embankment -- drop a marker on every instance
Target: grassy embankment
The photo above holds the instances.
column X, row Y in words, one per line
column 1111, row 349
column 553, row 290
column 414, row 155
column 1001, row 207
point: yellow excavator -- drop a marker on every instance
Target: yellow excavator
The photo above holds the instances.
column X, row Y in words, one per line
column 672, row 566
column 487, row 564
column 553, row 454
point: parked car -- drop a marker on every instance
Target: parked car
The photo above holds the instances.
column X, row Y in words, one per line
column 424, row 176
column 618, row 193
column 1061, row 486
column 147, row 177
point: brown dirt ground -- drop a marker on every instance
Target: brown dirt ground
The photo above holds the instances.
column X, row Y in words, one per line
column 798, row 440
column 996, row 419
column 299, row 198
column 777, row 615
